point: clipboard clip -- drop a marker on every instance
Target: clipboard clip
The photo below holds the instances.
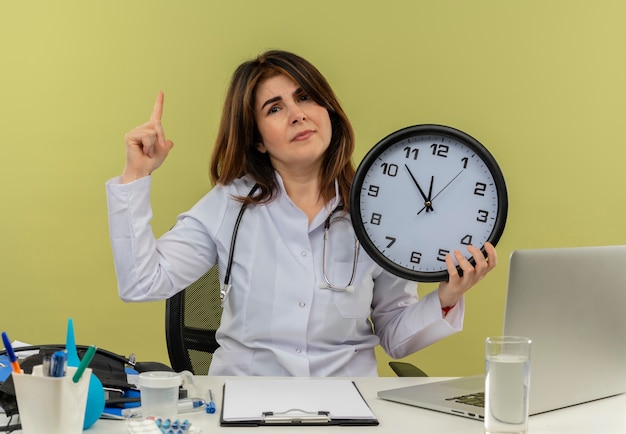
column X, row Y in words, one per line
column 296, row 416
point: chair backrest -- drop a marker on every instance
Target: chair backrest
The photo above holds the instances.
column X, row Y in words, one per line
column 191, row 318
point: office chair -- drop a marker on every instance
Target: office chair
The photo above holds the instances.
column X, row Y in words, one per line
column 404, row 369
column 191, row 318
column 193, row 315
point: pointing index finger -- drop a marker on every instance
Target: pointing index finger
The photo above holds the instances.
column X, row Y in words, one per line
column 157, row 111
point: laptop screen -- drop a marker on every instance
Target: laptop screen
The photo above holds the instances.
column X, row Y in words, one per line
column 570, row 302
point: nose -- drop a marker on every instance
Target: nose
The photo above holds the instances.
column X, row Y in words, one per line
column 298, row 116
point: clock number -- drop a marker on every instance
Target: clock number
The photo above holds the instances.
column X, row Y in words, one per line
column 440, row 150
column 392, row 241
column 480, row 189
column 441, row 257
column 408, row 150
column 465, row 160
column 467, row 240
column 416, row 257
column 373, row 191
column 375, row 220
column 482, row 216
column 390, row 169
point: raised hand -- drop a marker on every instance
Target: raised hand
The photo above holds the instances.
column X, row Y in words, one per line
column 146, row 145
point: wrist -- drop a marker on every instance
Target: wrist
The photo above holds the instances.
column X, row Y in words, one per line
column 127, row 176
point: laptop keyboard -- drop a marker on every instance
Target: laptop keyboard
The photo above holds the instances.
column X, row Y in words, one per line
column 475, row 399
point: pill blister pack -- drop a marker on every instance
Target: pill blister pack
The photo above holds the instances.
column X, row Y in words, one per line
column 161, row 426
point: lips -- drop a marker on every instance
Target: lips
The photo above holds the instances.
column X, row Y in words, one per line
column 303, row 135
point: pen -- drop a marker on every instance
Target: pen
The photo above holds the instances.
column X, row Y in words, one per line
column 91, row 351
column 210, row 405
column 11, row 354
column 58, row 363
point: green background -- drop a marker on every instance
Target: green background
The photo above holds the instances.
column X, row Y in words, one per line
column 541, row 83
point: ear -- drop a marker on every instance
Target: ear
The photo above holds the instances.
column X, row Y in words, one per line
column 261, row 148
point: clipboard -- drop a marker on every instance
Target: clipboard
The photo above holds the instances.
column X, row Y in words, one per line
column 301, row 401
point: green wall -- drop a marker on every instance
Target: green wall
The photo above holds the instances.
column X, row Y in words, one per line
column 541, row 83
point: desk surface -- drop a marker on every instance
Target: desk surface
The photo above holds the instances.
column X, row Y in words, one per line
column 605, row 416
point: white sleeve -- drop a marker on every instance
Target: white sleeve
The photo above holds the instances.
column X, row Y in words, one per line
column 149, row 269
column 405, row 324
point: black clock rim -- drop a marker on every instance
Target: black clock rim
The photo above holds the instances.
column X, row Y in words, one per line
column 380, row 147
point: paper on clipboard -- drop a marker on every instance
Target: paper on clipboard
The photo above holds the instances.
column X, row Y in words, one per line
column 248, row 400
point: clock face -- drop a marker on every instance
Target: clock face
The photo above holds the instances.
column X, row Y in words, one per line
column 425, row 191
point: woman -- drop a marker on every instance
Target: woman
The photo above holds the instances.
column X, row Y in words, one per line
column 284, row 151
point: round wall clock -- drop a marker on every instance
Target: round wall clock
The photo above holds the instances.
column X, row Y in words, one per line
column 422, row 192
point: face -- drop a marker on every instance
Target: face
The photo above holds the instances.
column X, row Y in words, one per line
column 295, row 130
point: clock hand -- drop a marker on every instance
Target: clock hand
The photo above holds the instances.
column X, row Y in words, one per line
column 427, row 201
column 430, row 190
column 446, row 186
column 430, row 200
column 428, row 205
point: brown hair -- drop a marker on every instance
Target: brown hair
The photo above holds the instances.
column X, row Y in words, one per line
column 236, row 154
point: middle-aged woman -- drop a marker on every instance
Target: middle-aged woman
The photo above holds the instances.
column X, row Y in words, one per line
column 283, row 150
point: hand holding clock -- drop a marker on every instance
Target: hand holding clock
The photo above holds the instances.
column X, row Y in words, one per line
column 451, row 291
column 461, row 213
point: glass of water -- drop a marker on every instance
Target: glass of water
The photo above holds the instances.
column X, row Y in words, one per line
column 507, row 384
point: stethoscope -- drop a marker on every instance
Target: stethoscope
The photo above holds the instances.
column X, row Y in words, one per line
column 327, row 284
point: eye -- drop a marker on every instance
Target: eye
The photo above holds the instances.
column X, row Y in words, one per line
column 300, row 95
column 304, row 97
column 273, row 109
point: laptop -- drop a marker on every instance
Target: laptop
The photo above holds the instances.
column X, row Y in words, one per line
column 570, row 302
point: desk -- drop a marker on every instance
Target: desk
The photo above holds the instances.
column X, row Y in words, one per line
column 606, row 416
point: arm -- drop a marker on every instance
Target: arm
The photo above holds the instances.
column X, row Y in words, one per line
column 406, row 325
column 146, row 268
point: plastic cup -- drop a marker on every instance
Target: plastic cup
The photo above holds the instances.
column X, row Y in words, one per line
column 507, row 384
column 159, row 394
column 51, row 405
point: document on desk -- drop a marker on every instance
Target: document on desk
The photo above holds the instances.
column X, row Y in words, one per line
column 302, row 401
